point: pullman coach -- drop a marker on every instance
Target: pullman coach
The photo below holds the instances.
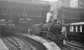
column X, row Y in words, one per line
column 73, row 22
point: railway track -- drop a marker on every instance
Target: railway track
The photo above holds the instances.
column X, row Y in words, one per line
column 72, row 46
column 22, row 43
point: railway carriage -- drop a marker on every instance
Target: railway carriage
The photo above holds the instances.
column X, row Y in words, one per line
column 73, row 22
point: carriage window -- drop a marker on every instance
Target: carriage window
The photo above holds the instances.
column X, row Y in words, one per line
column 81, row 29
column 76, row 28
column 71, row 29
